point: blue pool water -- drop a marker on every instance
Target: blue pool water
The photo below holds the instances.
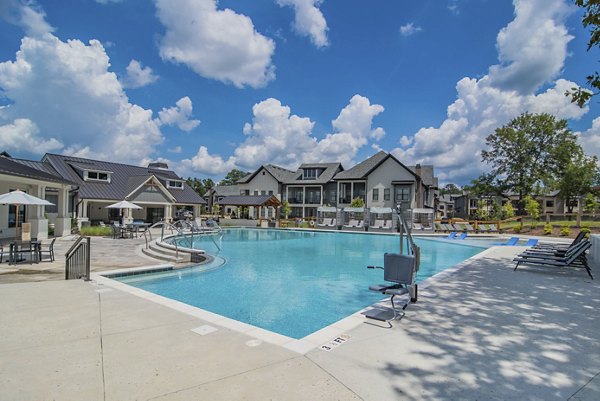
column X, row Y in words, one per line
column 292, row 282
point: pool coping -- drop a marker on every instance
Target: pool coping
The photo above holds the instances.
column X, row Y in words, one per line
column 302, row 346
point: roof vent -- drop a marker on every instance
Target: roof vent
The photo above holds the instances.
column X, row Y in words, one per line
column 158, row 165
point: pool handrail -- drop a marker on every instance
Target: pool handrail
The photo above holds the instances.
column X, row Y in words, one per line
column 414, row 249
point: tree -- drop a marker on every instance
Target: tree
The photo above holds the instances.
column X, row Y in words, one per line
column 286, row 208
column 532, row 208
column 200, row 185
column 577, row 177
column 482, row 212
column 591, row 19
column 508, row 211
column 529, row 149
column 233, row 177
column 450, row 189
column 590, row 203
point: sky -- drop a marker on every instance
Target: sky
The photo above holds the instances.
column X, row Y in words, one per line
column 207, row 86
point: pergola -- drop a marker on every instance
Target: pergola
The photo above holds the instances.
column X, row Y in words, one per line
column 256, row 201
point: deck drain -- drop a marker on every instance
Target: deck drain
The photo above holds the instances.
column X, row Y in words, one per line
column 204, row 330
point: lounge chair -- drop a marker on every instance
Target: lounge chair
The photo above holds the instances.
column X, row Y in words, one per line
column 387, row 224
column 511, row 242
column 417, row 226
column 378, row 224
column 457, row 227
column 360, row 224
column 399, row 271
column 351, row 223
column 461, row 236
column 451, row 235
column 332, row 222
column 531, row 242
column 575, row 258
column 580, row 237
column 493, row 227
column 482, row 228
column 326, row 222
column 469, row 228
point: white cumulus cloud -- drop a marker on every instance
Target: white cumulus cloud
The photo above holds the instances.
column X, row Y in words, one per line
column 410, row 29
column 68, row 93
column 207, row 163
column 138, row 76
column 309, row 20
column 532, row 51
column 590, row 139
column 24, row 135
column 216, row 44
column 179, row 115
column 27, row 15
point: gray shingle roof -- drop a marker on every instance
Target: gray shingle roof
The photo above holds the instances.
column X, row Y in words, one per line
column 279, row 173
column 30, row 169
column 123, row 179
column 326, row 176
column 364, row 168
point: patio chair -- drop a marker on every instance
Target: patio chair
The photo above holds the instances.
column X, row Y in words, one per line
column 399, row 271
column 511, row 242
column 576, row 258
column 48, row 251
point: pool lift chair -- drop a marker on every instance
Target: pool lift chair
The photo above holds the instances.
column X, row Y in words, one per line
column 400, row 271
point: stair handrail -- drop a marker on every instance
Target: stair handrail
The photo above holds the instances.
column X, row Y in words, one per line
column 75, row 252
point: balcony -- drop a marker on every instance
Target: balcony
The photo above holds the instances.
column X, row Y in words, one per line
column 298, row 200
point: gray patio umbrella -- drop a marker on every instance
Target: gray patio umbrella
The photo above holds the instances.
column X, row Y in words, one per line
column 123, row 205
column 19, row 198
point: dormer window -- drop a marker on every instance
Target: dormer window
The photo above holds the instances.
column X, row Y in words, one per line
column 97, row 176
column 175, row 184
column 310, row 173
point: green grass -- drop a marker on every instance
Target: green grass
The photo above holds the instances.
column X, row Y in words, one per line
column 555, row 224
column 96, row 231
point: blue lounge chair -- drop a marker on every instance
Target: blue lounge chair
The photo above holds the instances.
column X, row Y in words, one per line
column 510, row 242
column 462, row 236
column 451, row 235
column 531, row 242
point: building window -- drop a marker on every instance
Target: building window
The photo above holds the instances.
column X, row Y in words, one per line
column 550, row 204
column 97, row 176
column 473, row 203
column 402, row 194
column 375, row 194
column 270, row 192
column 442, row 207
column 245, row 192
column 175, row 184
column 386, row 194
column 310, row 174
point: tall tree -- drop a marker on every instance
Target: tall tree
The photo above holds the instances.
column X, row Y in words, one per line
column 577, row 178
column 233, row 177
column 200, row 185
column 529, row 149
column 591, row 19
column 450, row 189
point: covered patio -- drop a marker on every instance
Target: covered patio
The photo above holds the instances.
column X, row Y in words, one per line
column 259, row 207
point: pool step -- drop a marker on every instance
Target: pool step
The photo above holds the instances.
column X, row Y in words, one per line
column 160, row 251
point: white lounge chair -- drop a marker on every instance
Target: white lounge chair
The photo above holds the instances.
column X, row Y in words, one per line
column 378, row 224
column 326, row 222
column 332, row 223
column 387, row 224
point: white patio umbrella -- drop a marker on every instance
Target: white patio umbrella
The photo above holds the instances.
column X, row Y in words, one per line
column 19, row 198
column 123, row 205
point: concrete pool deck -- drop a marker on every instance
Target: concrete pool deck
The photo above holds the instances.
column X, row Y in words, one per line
column 484, row 332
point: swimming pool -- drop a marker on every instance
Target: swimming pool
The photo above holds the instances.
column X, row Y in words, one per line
column 292, row 282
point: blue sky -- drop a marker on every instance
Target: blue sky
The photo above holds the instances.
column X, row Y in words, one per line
column 209, row 86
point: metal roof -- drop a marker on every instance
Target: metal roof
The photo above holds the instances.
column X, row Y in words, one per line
column 30, row 169
column 123, row 179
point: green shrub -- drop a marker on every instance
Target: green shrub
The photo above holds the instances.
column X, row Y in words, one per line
column 586, row 229
column 517, row 229
column 565, row 231
column 96, row 231
column 548, row 229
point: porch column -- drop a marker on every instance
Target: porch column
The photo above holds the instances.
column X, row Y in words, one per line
column 168, row 213
column 62, row 225
column 35, row 214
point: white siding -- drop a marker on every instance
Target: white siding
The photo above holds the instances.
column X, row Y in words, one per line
column 382, row 177
column 263, row 181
